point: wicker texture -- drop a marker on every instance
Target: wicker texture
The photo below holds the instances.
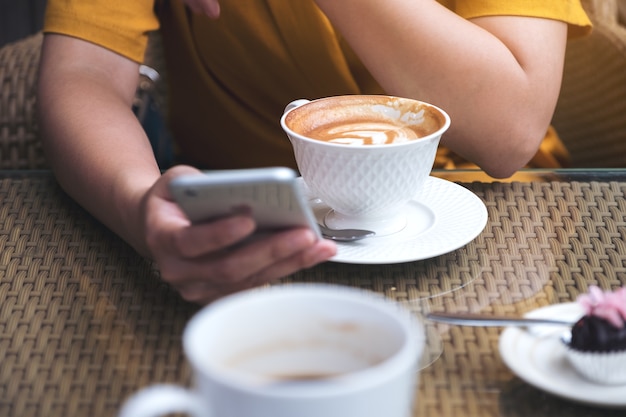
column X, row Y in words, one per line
column 20, row 147
column 78, row 310
column 590, row 115
column 85, row 322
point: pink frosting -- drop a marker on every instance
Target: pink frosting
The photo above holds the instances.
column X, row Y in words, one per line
column 608, row 305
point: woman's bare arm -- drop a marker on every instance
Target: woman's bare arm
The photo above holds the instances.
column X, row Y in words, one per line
column 95, row 144
column 103, row 159
column 499, row 77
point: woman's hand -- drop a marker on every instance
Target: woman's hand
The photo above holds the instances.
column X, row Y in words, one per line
column 205, row 261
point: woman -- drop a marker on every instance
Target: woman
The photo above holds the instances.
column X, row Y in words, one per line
column 494, row 66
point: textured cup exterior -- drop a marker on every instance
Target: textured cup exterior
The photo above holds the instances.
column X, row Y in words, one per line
column 365, row 180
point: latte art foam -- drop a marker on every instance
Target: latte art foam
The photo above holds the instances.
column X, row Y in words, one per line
column 364, row 133
column 356, row 120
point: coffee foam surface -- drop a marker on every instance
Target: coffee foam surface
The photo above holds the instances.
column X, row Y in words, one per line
column 371, row 120
column 364, row 133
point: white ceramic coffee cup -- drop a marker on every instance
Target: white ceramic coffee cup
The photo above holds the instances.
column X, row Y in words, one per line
column 366, row 186
column 295, row 350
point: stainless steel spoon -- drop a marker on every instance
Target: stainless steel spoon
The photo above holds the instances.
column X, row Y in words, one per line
column 466, row 319
column 532, row 325
column 345, row 235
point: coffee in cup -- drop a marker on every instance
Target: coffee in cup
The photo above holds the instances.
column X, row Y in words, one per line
column 295, row 350
column 365, row 121
column 366, row 156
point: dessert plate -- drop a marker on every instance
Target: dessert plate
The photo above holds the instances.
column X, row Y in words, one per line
column 539, row 359
column 445, row 217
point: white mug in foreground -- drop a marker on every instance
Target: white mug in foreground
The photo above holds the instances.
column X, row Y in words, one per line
column 365, row 156
column 295, row 350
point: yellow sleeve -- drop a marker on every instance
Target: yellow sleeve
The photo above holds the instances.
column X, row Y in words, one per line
column 119, row 25
column 569, row 11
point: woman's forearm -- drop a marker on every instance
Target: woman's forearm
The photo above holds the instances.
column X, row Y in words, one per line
column 498, row 77
column 95, row 145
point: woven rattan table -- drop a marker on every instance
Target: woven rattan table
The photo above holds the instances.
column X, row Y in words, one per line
column 85, row 322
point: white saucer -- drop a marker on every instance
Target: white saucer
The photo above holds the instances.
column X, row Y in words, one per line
column 445, row 217
column 541, row 361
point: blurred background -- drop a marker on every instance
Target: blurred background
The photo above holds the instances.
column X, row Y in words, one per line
column 20, row 18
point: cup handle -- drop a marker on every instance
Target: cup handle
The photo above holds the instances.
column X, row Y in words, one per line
column 295, row 103
column 159, row 400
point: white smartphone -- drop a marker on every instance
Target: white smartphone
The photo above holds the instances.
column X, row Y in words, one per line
column 273, row 197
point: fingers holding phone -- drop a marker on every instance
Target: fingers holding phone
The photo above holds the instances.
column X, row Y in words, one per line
column 213, row 254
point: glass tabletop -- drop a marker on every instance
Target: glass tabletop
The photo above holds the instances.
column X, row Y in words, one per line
column 458, row 175
column 526, row 175
column 85, row 321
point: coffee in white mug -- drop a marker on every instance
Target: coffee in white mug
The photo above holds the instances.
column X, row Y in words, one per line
column 365, row 156
column 295, row 350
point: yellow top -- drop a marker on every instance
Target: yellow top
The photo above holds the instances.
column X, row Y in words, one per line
column 230, row 78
